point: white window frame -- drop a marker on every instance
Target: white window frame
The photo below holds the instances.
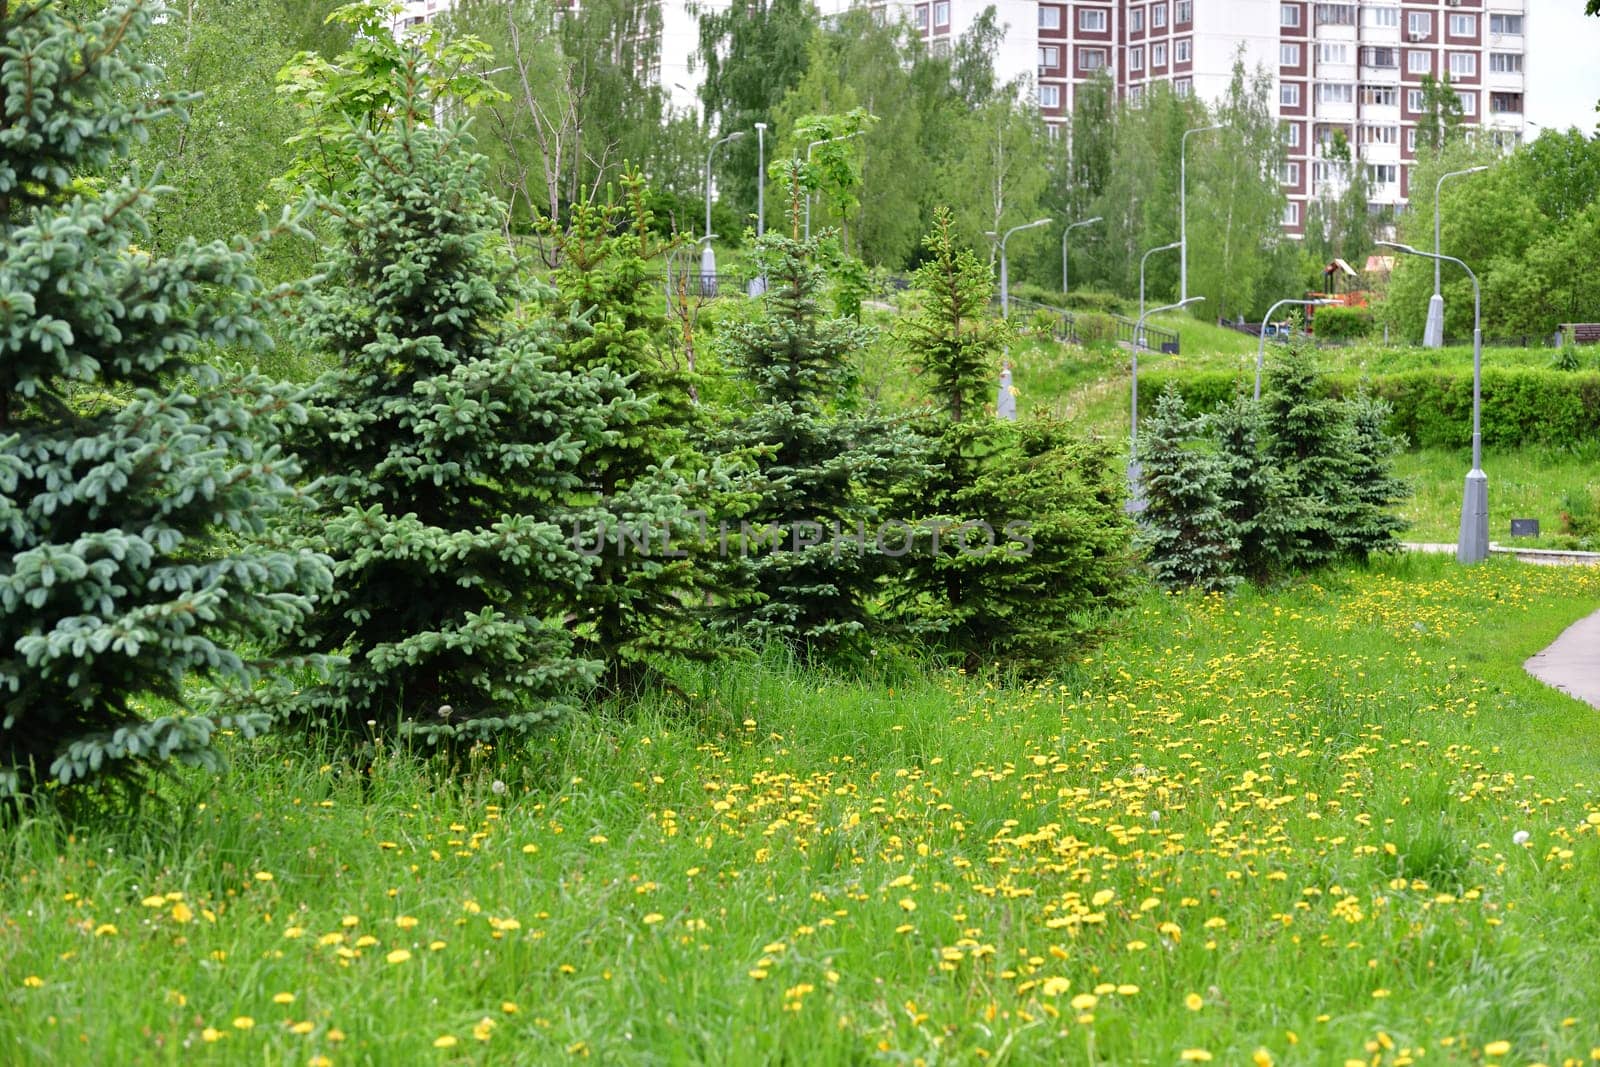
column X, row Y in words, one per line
column 1289, row 173
column 1383, row 173
column 1463, row 25
column 1291, row 213
column 1287, row 49
column 1098, row 53
column 1333, row 52
column 1091, row 20
column 1049, row 55
column 1505, row 62
column 1506, row 21
column 1183, row 88
column 1411, row 139
column 1136, row 58
column 1049, row 17
column 1182, row 50
column 1463, row 64
column 1412, row 64
column 1469, row 101
column 1049, row 96
column 1289, row 15
column 1158, row 15
column 1136, row 20
column 937, row 21
column 1289, row 134
column 1289, row 94
column 1419, row 23
column 1383, row 16
column 1183, row 12
column 1414, row 101
column 1158, row 54
column 1335, row 93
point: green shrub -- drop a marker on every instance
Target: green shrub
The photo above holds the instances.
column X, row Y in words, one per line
column 1341, row 324
column 1094, row 327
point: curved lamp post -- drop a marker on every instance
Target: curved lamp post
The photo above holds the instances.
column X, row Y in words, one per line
column 1261, row 345
column 1161, row 248
column 1433, row 333
column 1136, row 502
column 1064, row 233
column 1005, row 279
column 1183, row 206
column 708, row 258
column 1472, row 544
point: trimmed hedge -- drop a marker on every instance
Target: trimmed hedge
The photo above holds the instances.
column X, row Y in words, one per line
column 1433, row 408
column 1341, row 323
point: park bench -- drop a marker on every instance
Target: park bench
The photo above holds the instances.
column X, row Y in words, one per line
column 1582, row 333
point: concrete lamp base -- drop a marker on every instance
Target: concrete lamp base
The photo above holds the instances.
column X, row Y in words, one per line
column 1473, row 545
column 1136, row 501
column 1433, row 333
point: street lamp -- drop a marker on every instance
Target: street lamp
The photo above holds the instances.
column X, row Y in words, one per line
column 1069, row 229
column 758, row 284
column 1472, row 544
column 1136, row 502
column 1183, row 207
column 1147, row 255
column 1261, row 345
column 1005, row 278
column 708, row 258
column 1433, row 333
column 809, row 147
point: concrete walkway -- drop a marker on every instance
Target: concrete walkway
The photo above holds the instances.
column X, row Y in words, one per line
column 1572, row 663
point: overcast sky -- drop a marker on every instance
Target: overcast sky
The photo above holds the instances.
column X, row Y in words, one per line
column 1563, row 66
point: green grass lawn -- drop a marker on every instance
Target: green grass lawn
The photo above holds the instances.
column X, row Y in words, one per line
column 1281, row 827
column 1529, row 483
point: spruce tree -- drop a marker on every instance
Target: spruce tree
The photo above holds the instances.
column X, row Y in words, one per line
column 1309, row 441
column 449, row 445
column 133, row 477
column 1184, row 527
column 810, row 567
column 1373, row 524
column 1254, row 501
column 1032, row 544
column 647, row 494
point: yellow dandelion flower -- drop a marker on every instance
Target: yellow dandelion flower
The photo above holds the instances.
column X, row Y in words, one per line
column 1262, row 1058
column 157, row 901
column 509, row 1007
column 303, row 1027
column 1195, row 1055
column 33, row 981
column 1084, row 1002
column 350, row 920
column 653, row 918
column 319, row 1061
column 1193, row 1002
column 399, row 955
column 1497, row 1048
column 907, row 904
column 336, row 1035
column 263, row 876
column 283, row 998
column 435, row 946
column 294, row 932
column 105, row 930
column 406, row 922
column 181, row 912
column 1127, row 989
column 445, row 1041
column 243, row 1022
column 211, row 1035
column 1104, row 897
column 1054, row 987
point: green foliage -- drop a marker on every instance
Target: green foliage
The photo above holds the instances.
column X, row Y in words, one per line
column 1341, row 324
column 373, row 85
column 1183, row 526
column 1373, row 523
column 133, row 478
column 448, row 443
column 640, row 604
column 951, row 337
column 1439, row 122
column 822, row 468
column 1257, row 510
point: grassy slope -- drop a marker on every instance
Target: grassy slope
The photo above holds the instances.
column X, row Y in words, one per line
column 800, row 869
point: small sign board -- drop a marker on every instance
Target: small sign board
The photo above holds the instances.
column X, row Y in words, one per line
column 1524, row 527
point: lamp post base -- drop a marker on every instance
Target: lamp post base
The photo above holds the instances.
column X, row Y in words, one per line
column 708, row 271
column 1473, row 544
column 1136, row 500
column 1433, row 333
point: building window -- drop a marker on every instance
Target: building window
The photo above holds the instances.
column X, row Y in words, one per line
column 1411, row 139
column 1289, row 134
column 1291, row 214
column 1183, row 87
column 1336, row 15
column 1469, row 102
column 919, row 17
column 1049, row 96
column 1181, row 51
column 1092, row 19
column 1049, row 17
column 1183, row 12
column 1289, row 15
column 1052, row 130
column 1158, row 54
column 1289, row 55
column 1091, row 58
column 1135, row 95
column 1049, row 56
column 1289, row 94
column 1505, row 103
column 1380, row 135
column 1289, row 173
column 1505, row 23
column 1419, row 23
column 1380, row 58
column 1158, row 16
column 1136, row 57
column 941, row 13
column 1419, row 61
column 1335, row 93
column 1333, row 53
column 1383, row 16
column 1380, row 95
column 1136, row 20
column 1463, row 64
column 1463, row 25
column 1505, row 62
column 1383, row 173
column 1414, row 101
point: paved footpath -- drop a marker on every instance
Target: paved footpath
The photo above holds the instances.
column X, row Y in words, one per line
column 1572, row 663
